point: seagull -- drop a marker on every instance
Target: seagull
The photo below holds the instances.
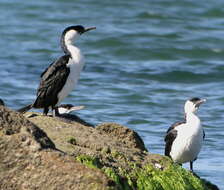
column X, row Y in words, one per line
column 184, row 139
column 61, row 77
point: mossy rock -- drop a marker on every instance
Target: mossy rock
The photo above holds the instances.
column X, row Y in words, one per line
column 153, row 176
column 120, row 154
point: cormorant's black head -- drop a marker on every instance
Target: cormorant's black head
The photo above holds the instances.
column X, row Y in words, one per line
column 70, row 34
column 78, row 28
column 195, row 99
column 193, row 104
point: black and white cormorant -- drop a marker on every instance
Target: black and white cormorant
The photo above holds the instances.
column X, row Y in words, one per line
column 58, row 80
column 184, row 139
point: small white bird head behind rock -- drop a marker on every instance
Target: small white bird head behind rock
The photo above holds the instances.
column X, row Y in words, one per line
column 192, row 105
column 67, row 108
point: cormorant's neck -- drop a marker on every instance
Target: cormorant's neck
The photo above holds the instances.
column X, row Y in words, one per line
column 70, row 49
column 66, row 45
column 192, row 118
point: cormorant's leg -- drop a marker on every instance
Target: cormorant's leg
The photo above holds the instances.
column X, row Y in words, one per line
column 191, row 166
column 46, row 109
column 55, row 111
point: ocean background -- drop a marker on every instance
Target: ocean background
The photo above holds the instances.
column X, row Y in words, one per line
column 145, row 59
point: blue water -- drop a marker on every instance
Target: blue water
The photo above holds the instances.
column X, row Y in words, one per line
column 143, row 61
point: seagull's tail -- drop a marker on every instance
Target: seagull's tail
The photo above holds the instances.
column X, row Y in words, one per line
column 25, row 109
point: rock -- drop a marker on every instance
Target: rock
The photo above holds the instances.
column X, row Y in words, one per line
column 79, row 156
column 127, row 136
column 112, row 143
column 29, row 160
column 12, row 123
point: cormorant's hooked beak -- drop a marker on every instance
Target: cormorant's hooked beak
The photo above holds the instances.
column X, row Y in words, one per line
column 199, row 102
column 88, row 29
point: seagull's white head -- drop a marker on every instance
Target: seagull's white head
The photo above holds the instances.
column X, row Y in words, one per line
column 192, row 105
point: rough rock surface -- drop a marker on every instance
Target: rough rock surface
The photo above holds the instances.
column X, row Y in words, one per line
column 29, row 160
column 42, row 152
column 112, row 143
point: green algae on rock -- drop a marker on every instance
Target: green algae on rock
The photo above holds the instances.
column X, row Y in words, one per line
column 168, row 176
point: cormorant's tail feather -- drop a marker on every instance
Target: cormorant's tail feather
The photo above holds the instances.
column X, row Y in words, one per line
column 25, row 109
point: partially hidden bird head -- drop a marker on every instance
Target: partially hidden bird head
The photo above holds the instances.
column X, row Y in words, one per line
column 2, row 102
column 192, row 105
column 67, row 108
column 72, row 32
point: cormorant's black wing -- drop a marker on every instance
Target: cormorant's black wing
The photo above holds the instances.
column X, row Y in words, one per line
column 52, row 81
column 171, row 134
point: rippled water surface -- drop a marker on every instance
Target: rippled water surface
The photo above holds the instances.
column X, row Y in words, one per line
column 143, row 61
